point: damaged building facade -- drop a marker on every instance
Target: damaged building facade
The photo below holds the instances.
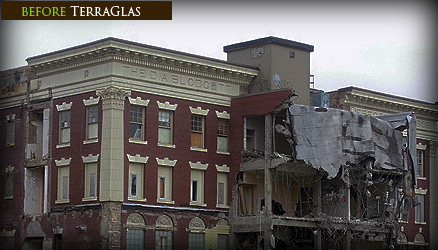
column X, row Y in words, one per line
column 119, row 145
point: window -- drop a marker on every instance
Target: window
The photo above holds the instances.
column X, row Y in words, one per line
column 197, row 131
column 196, row 241
column 305, row 202
column 90, row 180
column 197, row 183
column 222, row 242
column 136, row 122
column 195, row 191
column 9, row 183
column 420, row 163
column 92, row 122
column 164, row 184
column 404, row 210
column 163, row 240
column 222, row 135
column 10, row 130
column 64, row 127
column 165, row 127
column 135, row 239
column 419, row 209
column 63, row 183
column 135, row 191
column 222, row 189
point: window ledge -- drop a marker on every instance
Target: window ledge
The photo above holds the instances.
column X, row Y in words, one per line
column 402, row 221
column 192, row 203
column 138, row 141
column 10, row 144
column 222, row 152
column 136, row 199
column 165, row 202
column 9, row 197
column 421, row 178
column 66, row 145
column 166, row 145
column 89, row 199
column 420, row 223
column 222, row 206
column 62, row 201
column 91, row 141
column 198, row 149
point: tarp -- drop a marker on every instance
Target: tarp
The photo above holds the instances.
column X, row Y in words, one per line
column 330, row 138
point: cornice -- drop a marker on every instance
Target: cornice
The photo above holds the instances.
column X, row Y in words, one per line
column 145, row 57
column 390, row 104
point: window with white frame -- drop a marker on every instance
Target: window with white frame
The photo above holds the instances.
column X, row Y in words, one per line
column 222, row 189
column 196, row 233
column 420, row 163
column 64, row 127
column 222, row 135
column 136, row 122
column 197, row 183
column 90, row 180
column 63, row 180
column 419, row 209
column 136, row 172
column 164, row 184
column 92, row 122
column 165, row 127
column 197, row 131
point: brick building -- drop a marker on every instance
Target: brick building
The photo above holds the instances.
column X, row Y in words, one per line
column 119, row 145
column 417, row 223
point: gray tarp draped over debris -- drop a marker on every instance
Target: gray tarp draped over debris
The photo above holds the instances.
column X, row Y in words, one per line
column 330, row 138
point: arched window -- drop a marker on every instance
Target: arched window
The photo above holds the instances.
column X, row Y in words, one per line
column 402, row 241
column 196, row 233
column 163, row 233
column 419, row 241
column 135, row 235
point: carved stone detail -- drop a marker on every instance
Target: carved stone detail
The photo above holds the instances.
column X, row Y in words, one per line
column 164, row 222
column 113, row 97
column 197, row 224
column 135, row 219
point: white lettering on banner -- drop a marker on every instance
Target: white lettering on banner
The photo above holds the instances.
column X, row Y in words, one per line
column 181, row 80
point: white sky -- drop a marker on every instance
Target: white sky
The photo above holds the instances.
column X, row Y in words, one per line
column 382, row 47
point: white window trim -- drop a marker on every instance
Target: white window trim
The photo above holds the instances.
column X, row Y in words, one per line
column 199, row 111
column 64, row 106
column 166, row 162
column 138, row 101
column 167, row 106
column 63, row 162
column 198, row 165
column 91, row 101
column 223, row 115
column 137, row 158
column 224, row 168
column 90, row 158
column 160, row 144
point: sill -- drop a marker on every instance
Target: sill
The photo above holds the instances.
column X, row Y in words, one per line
column 193, row 203
column 421, row 178
column 198, row 149
column 9, row 197
column 136, row 199
column 222, row 152
column 138, row 141
column 165, row 202
column 65, row 145
column 10, row 144
column 91, row 141
column 62, row 201
column 222, row 206
column 420, row 223
column 166, row 145
column 402, row 221
column 89, row 199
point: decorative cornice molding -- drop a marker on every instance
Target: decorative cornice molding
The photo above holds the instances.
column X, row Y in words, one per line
column 64, row 106
column 198, row 111
column 390, row 104
column 137, row 158
column 138, row 101
column 198, row 165
column 113, row 97
column 91, row 101
column 223, row 115
column 224, row 168
column 149, row 58
column 63, row 162
column 166, row 162
column 90, row 158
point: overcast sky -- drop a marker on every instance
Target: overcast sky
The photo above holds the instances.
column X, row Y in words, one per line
column 383, row 47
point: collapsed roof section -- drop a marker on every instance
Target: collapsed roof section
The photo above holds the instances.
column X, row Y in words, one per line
column 330, row 138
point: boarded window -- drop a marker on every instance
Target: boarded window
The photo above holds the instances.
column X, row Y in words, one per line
column 197, row 131
column 162, row 187
column 220, row 193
